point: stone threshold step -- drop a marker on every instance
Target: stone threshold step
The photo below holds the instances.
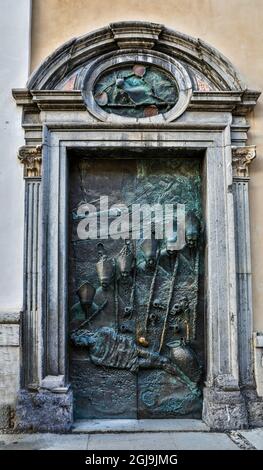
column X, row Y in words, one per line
column 93, row 426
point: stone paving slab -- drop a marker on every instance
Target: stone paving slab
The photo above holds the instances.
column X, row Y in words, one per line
column 132, row 441
column 161, row 441
column 132, row 425
column 203, row 441
column 43, row 442
column 180, row 440
column 254, row 436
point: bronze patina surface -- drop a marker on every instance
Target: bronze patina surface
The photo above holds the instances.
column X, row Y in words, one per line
column 136, row 308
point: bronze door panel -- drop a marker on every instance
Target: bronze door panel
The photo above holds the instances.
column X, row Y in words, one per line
column 136, row 306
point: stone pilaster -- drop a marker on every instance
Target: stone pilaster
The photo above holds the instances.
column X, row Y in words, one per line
column 31, row 157
column 241, row 159
column 223, row 404
column 42, row 405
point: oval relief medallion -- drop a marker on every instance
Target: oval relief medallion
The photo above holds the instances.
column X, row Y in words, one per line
column 136, row 91
column 134, row 87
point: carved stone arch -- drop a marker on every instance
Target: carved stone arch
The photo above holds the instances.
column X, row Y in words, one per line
column 57, row 120
column 194, row 53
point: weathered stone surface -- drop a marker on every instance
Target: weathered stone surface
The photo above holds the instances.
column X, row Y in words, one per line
column 254, row 408
column 9, row 366
column 44, row 411
column 224, row 411
column 9, row 374
column 9, row 317
column 4, row 416
column 9, row 335
column 258, row 364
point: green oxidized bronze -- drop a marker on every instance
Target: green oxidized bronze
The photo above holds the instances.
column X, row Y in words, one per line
column 136, row 91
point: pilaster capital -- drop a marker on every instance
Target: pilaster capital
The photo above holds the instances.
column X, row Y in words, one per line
column 31, row 157
column 241, row 158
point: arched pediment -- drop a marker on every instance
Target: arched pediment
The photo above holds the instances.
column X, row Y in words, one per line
column 208, row 69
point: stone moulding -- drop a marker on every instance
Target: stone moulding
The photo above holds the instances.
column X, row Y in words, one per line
column 213, row 123
column 57, row 100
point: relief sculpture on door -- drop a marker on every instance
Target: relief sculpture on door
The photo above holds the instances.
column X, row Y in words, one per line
column 136, row 330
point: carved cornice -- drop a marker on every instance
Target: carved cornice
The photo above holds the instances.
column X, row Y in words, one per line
column 31, row 157
column 59, row 100
column 241, row 158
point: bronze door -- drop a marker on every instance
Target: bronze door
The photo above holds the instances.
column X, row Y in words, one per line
column 135, row 305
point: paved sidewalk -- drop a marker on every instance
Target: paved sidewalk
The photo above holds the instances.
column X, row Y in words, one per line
column 198, row 440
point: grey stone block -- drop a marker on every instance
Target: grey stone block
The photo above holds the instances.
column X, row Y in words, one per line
column 5, row 416
column 9, row 317
column 9, row 335
column 255, row 411
column 44, row 411
column 224, row 411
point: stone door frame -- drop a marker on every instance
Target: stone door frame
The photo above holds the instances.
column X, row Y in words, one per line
column 56, row 120
column 48, row 366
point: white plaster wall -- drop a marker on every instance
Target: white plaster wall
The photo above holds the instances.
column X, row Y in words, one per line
column 15, row 19
column 14, row 67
